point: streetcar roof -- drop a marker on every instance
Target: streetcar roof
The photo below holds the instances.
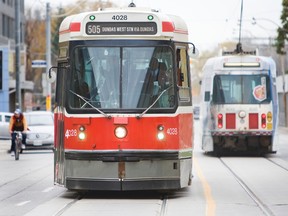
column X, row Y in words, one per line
column 167, row 27
column 243, row 63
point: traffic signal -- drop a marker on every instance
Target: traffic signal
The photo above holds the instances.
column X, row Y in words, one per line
column 1, row 70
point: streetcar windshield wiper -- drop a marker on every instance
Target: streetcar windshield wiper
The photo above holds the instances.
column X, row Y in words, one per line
column 87, row 102
column 146, row 110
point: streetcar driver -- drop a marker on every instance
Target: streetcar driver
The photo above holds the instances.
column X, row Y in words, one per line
column 162, row 75
column 153, row 72
column 17, row 123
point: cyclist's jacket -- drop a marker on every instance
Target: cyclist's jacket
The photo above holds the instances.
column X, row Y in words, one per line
column 18, row 124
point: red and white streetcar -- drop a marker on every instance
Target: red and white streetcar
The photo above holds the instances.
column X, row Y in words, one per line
column 123, row 115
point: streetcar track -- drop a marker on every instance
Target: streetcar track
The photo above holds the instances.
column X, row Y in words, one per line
column 163, row 205
column 24, row 188
column 83, row 195
column 277, row 164
column 69, row 205
column 24, row 175
column 262, row 206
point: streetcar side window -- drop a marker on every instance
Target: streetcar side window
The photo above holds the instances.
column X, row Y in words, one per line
column 182, row 75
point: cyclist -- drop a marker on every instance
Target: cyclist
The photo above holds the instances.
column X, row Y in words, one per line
column 17, row 123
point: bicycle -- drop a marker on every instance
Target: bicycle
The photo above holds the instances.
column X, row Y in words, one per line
column 18, row 144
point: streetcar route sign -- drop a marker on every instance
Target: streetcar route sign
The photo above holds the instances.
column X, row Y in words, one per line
column 121, row 28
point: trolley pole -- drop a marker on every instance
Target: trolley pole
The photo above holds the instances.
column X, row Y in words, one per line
column 18, row 101
column 48, row 54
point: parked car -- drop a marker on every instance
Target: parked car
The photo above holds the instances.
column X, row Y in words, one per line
column 41, row 130
column 4, row 125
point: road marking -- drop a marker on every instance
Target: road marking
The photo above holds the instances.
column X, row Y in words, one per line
column 210, row 202
column 23, row 203
column 47, row 189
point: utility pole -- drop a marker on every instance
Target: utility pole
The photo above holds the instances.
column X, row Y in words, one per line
column 18, row 101
column 48, row 55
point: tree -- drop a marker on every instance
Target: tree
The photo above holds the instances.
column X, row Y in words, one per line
column 35, row 45
column 282, row 31
column 55, row 23
column 35, row 39
column 35, row 35
column 57, row 18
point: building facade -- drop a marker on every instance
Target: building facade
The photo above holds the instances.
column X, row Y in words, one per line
column 7, row 54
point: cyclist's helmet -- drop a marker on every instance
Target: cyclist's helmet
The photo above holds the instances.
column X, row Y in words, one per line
column 17, row 111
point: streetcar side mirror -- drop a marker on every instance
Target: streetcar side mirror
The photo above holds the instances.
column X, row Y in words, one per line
column 51, row 76
column 193, row 52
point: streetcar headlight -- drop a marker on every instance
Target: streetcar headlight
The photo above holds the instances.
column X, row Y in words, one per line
column 81, row 128
column 120, row 132
column 160, row 135
column 82, row 135
column 160, row 127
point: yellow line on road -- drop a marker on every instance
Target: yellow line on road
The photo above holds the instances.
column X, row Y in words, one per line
column 210, row 203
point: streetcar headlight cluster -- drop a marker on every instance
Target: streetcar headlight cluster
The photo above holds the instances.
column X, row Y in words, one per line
column 120, row 132
column 82, row 134
column 160, row 133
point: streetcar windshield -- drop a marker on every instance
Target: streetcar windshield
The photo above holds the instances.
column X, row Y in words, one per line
column 241, row 89
column 121, row 77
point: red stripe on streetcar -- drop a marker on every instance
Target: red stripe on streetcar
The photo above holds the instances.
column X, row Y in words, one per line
column 179, row 31
column 167, row 27
column 74, row 27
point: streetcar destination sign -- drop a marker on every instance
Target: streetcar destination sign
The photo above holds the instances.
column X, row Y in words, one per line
column 121, row 28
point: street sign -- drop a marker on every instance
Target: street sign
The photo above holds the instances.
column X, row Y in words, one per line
column 39, row 64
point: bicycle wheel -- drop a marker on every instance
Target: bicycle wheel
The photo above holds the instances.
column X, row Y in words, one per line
column 17, row 149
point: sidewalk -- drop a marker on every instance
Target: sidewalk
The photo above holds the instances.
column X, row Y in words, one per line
column 283, row 130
